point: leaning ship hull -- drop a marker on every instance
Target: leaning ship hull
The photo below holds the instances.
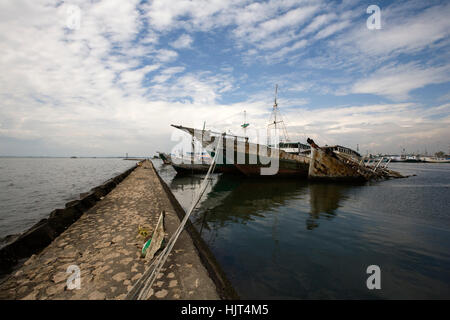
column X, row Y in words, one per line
column 325, row 166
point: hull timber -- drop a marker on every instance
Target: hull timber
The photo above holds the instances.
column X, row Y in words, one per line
column 331, row 165
column 187, row 168
column 284, row 164
column 325, row 166
column 227, row 168
column 249, row 158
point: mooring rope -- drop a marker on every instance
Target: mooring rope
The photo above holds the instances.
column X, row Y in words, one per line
column 141, row 289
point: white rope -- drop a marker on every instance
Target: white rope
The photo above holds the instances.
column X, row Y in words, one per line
column 141, row 289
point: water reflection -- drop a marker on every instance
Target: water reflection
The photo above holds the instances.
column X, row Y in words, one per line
column 325, row 199
column 303, row 240
column 245, row 200
column 235, row 200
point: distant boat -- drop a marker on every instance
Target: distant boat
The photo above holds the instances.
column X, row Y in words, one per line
column 413, row 159
column 436, row 160
column 73, row 157
column 397, row 159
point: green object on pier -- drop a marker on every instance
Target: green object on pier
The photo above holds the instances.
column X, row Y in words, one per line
column 145, row 247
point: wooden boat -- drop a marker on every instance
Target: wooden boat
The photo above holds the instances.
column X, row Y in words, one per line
column 194, row 166
column 252, row 159
column 436, row 160
column 190, row 164
column 331, row 163
column 190, row 168
column 340, row 163
column 288, row 159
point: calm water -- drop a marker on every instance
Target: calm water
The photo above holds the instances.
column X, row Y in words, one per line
column 30, row 188
column 288, row 239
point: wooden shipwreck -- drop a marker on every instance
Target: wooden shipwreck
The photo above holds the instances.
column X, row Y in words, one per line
column 286, row 158
column 251, row 159
column 340, row 163
column 322, row 163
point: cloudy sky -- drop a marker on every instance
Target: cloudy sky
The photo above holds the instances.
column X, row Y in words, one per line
column 101, row 78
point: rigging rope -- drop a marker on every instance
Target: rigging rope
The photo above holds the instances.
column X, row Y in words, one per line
column 224, row 119
column 141, row 289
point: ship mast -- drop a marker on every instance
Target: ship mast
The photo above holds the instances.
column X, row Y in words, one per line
column 245, row 124
column 274, row 116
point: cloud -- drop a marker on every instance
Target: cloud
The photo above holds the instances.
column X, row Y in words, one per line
column 266, row 34
column 122, row 78
column 406, row 54
column 280, row 54
column 163, row 15
column 67, row 87
column 167, row 74
column 402, row 32
column 257, row 23
column 199, row 88
column 332, row 29
column 291, row 18
column 165, row 55
column 183, row 42
column 397, row 81
column 377, row 128
column 318, row 22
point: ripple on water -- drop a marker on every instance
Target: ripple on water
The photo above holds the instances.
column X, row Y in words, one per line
column 33, row 187
column 306, row 240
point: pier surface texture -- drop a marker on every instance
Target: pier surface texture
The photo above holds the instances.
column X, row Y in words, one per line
column 105, row 245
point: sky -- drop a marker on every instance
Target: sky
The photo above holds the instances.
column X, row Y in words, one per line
column 106, row 78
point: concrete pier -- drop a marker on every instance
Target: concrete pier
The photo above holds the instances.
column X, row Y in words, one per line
column 105, row 244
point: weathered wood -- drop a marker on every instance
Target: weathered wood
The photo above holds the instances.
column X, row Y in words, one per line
column 327, row 164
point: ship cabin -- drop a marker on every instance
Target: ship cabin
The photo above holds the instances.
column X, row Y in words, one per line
column 345, row 151
column 294, row 147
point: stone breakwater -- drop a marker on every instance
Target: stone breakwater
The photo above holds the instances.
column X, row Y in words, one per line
column 45, row 231
column 224, row 286
column 105, row 244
